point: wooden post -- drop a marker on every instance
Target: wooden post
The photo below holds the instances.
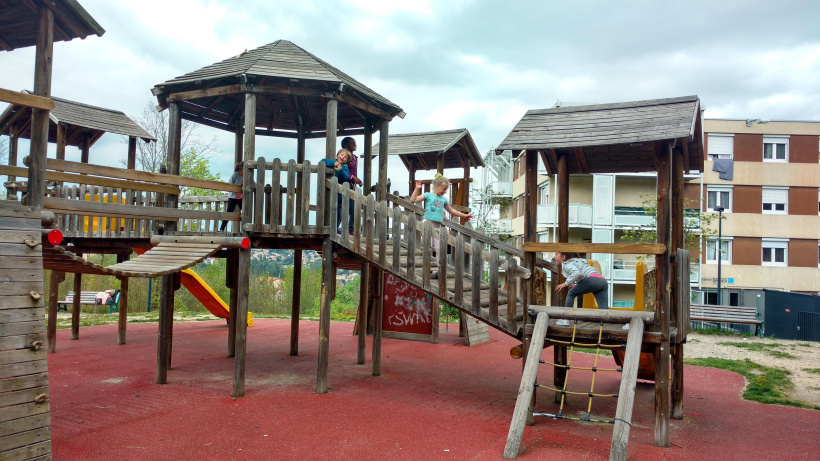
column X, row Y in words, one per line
column 13, row 137
column 296, row 306
column 328, row 274
column 244, row 259
column 85, row 148
column 231, row 262
column 330, row 134
column 123, row 309
column 51, row 328
column 367, row 156
column 677, row 242
column 626, row 392
column 530, row 235
column 526, row 390
column 383, row 151
column 166, row 303
column 440, row 163
column 132, row 153
column 76, row 307
column 364, row 290
column 663, row 163
column 377, row 321
column 560, row 352
column 61, row 141
column 296, row 296
column 44, row 51
column 412, row 184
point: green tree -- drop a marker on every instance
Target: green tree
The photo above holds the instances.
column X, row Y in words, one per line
column 193, row 164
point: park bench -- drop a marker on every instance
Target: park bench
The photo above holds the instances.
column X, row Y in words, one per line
column 89, row 298
column 726, row 314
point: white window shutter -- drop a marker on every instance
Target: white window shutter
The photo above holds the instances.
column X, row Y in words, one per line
column 721, row 145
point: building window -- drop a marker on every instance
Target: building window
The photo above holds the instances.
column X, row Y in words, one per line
column 775, row 200
column 725, row 251
column 719, row 196
column 543, row 237
column 775, row 148
column 720, row 145
column 544, row 194
column 775, row 252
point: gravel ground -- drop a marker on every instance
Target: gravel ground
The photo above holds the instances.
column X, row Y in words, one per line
column 806, row 356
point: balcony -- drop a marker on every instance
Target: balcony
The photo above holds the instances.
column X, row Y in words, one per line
column 501, row 189
column 624, row 271
column 579, row 215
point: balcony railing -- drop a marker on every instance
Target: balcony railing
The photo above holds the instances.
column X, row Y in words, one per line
column 624, row 271
column 579, row 215
column 505, row 225
column 502, row 189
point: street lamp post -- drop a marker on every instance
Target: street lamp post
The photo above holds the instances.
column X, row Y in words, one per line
column 719, row 248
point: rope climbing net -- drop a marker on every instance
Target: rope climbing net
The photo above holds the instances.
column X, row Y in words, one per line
column 572, row 344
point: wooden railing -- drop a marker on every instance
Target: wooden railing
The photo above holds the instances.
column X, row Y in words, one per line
column 101, row 201
column 282, row 204
column 383, row 231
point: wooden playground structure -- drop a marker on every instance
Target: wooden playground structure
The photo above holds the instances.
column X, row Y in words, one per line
column 282, row 90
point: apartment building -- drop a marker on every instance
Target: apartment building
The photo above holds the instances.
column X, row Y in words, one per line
column 602, row 207
column 771, row 231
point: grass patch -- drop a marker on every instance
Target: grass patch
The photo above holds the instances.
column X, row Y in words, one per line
column 717, row 332
column 763, row 384
column 604, row 352
column 770, row 349
column 815, row 371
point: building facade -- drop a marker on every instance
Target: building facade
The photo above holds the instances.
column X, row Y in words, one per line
column 771, row 201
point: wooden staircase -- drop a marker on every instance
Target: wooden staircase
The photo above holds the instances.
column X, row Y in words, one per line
column 391, row 235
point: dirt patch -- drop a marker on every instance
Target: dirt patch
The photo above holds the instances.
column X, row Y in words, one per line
column 795, row 356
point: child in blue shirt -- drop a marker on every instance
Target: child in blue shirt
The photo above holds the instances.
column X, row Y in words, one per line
column 434, row 205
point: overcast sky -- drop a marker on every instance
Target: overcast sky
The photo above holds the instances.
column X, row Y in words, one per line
column 455, row 63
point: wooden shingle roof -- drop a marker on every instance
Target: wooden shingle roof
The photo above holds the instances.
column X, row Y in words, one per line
column 79, row 119
column 611, row 138
column 19, row 18
column 423, row 149
column 294, row 84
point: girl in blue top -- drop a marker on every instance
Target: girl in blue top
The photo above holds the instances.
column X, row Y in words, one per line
column 434, row 205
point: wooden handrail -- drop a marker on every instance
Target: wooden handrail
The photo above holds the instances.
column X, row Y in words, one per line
column 26, row 100
column 133, row 175
column 615, row 248
column 93, row 180
column 481, row 237
column 67, row 206
column 254, row 164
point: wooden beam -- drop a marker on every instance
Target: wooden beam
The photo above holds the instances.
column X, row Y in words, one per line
column 615, row 248
column 365, row 106
column 147, row 176
column 551, row 160
column 368, row 156
column 582, row 160
column 626, row 392
column 330, row 123
column 26, row 100
column 322, row 134
column 207, row 93
column 663, row 165
column 44, row 54
column 287, row 90
column 61, row 142
column 383, row 150
column 11, row 119
column 132, row 153
column 84, row 179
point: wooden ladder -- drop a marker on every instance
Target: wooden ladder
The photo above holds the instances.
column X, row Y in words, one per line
column 626, row 393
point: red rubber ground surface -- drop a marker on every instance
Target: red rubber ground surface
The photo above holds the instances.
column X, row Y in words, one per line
column 443, row 401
